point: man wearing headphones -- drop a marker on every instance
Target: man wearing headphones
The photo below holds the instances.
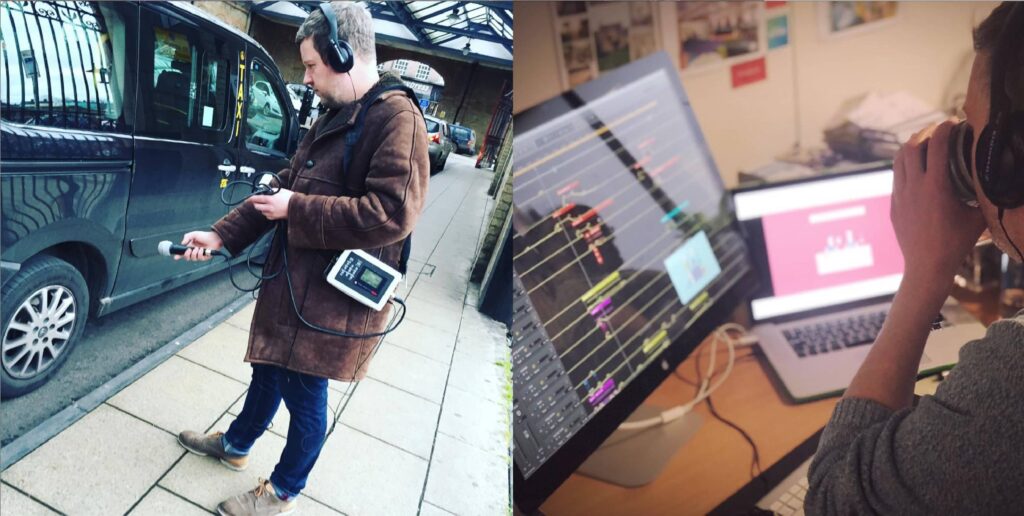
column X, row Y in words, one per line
column 960, row 451
column 357, row 181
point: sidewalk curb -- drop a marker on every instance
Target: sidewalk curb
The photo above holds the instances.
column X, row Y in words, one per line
column 58, row 422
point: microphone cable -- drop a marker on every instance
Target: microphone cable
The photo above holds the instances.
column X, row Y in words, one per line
column 260, row 186
column 350, row 389
column 295, row 306
column 391, row 326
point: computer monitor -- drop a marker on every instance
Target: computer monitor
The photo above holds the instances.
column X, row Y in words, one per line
column 820, row 243
column 626, row 255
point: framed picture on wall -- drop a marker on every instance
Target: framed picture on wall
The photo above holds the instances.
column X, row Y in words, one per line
column 570, row 8
column 597, row 36
column 577, row 50
column 610, row 22
column 714, row 33
column 642, row 39
column 845, row 18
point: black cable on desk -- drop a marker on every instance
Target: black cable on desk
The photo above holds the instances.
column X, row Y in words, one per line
column 755, row 463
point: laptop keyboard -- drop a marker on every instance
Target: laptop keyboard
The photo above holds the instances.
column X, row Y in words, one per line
column 816, row 339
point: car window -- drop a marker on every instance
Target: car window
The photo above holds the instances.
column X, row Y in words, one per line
column 63, row 67
column 460, row 132
column 432, row 125
column 265, row 114
column 187, row 95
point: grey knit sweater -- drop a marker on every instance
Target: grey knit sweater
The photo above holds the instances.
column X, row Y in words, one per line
column 960, row 451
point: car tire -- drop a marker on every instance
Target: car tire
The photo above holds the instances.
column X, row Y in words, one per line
column 444, row 162
column 32, row 346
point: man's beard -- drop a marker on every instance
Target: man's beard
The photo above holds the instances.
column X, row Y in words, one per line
column 331, row 103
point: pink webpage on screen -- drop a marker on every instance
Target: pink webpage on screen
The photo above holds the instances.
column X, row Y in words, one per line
column 826, row 246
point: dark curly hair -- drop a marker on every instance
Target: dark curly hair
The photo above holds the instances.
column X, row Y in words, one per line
column 988, row 37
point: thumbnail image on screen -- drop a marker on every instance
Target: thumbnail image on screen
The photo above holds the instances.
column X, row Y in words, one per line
column 622, row 237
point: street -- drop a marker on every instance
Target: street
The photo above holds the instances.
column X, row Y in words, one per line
column 113, row 343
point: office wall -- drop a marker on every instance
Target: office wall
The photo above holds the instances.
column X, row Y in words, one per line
column 926, row 51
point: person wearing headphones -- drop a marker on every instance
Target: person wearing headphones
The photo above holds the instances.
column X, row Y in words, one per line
column 960, row 451
column 357, row 181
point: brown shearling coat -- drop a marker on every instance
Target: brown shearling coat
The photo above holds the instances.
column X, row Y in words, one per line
column 373, row 207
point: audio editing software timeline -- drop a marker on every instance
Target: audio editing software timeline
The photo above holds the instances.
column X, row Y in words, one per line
column 622, row 237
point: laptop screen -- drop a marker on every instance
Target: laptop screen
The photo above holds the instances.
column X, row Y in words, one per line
column 821, row 243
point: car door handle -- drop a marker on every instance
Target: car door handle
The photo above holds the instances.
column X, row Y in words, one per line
column 226, row 169
column 249, row 171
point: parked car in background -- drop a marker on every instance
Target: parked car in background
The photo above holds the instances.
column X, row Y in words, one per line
column 93, row 178
column 262, row 97
column 464, row 139
column 441, row 146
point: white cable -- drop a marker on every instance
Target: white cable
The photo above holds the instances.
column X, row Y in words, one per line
column 674, row 413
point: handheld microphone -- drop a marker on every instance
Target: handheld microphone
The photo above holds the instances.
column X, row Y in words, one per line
column 166, row 248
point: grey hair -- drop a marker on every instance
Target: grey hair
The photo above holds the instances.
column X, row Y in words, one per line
column 354, row 25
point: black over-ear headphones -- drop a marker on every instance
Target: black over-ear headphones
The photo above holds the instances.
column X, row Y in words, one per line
column 997, row 165
column 340, row 56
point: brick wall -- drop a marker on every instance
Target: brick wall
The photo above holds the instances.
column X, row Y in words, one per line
column 485, row 85
column 501, row 189
column 230, row 12
column 279, row 40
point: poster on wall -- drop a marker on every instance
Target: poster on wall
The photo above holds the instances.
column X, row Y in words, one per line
column 749, row 72
column 777, row 29
column 841, row 18
column 577, row 52
column 641, row 23
column 600, row 36
column 712, row 33
column 611, row 34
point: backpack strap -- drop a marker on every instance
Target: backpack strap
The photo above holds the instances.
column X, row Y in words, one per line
column 352, row 137
column 356, row 131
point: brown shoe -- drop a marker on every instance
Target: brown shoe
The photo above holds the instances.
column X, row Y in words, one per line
column 210, row 444
column 262, row 501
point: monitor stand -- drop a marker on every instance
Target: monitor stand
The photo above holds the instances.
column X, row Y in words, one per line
column 633, row 458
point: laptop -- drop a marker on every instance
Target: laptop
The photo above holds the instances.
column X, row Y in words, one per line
column 829, row 265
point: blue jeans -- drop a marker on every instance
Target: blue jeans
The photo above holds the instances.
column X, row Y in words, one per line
column 305, row 397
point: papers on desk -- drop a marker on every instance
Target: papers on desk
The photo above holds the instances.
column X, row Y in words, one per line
column 879, row 123
column 886, row 111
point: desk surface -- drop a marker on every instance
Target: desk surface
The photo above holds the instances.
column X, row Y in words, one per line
column 716, row 462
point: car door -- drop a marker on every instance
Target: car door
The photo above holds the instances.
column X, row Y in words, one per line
column 184, row 149
column 268, row 133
